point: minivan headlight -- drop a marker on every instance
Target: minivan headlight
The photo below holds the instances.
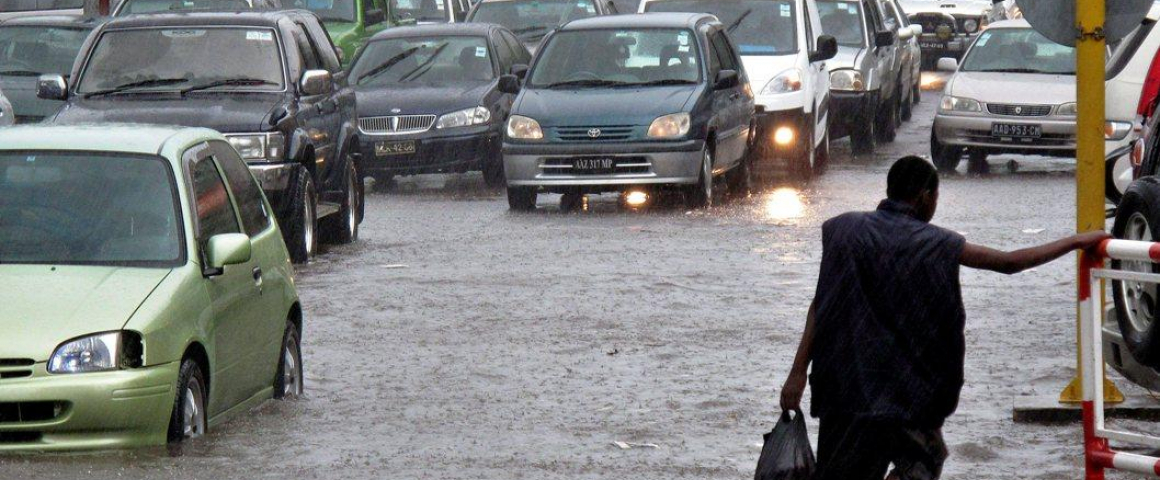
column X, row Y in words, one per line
column 785, row 82
column 670, row 126
column 846, row 80
column 94, row 353
column 524, row 128
column 1067, row 109
column 465, row 118
column 258, row 146
column 959, row 104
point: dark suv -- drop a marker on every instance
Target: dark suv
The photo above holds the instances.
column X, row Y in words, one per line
column 269, row 81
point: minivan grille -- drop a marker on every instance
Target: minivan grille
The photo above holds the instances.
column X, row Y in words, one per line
column 1019, row 110
column 397, row 124
column 610, row 133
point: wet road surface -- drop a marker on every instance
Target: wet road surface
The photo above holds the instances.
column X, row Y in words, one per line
column 458, row 340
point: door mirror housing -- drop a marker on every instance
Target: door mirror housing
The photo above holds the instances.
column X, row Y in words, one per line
column 51, row 87
column 948, row 64
column 905, row 33
column 316, row 82
column 509, row 84
column 227, row 249
column 726, row 79
column 884, row 39
column 520, row 71
column 827, row 48
column 916, row 29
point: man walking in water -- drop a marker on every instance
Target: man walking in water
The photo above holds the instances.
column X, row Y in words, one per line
column 885, row 330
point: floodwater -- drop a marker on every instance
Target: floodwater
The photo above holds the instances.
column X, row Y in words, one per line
column 458, row 340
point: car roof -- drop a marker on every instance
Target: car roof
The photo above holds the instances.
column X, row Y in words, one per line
column 1015, row 23
column 264, row 18
column 57, row 20
column 641, row 20
column 437, row 29
column 123, row 138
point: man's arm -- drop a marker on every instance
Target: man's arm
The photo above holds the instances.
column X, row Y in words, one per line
column 985, row 258
column 795, row 384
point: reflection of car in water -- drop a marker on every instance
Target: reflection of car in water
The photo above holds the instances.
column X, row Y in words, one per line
column 532, row 20
column 33, row 46
column 20, row 8
column 948, row 26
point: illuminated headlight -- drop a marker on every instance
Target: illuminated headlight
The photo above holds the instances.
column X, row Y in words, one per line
column 465, row 118
column 524, row 128
column 1116, row 130
column 785, row 82
column 94, row 353
column 846, row 80
column 670, row 126
column 971, row 26
column 959, row 104
column 1067, row 110
column 259, row 146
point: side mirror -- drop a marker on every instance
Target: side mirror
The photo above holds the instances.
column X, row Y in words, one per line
column 520, row 71
column 948, row 64
column 827, row 48
column 726, row 79
column 884, row 39
column 227, row 249
column 905, row 33
column 509, row 84
column 51, row 87
column 316, row 82
column 916, row 29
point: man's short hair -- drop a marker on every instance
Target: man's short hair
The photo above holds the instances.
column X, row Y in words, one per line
column 909, row 177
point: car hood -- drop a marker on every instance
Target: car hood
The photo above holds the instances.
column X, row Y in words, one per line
column 21, row 91
column 225, row 112
column 1022, row 88
column 603, row 106
column 410, row 99
column 46, row 305
column 846, row 57
column 762, row 68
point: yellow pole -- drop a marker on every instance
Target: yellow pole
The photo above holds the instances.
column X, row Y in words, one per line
column 1090, row 54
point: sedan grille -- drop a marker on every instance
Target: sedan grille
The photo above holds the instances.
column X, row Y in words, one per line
column 397, row 124
column 611, row 133
column 1019, row 110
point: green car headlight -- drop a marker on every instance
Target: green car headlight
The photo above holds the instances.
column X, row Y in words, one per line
column 98, row 353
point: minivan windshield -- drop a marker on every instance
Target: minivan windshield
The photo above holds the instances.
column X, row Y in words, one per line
column 87, row 209
column 424, row 60
column 29, row 51
column 132, row 7
column 609, row 58
column 843, row 20
column 424, row 11
column 327, row 10
column 1018, row 50
column 184, row 58
column 758, row 27
column 531, row 20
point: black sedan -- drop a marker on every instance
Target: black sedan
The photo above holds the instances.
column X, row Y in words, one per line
column 428, row 100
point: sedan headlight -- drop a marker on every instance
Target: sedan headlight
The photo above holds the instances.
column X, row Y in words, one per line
column 846, row 80
column 259, row 146
column 670, row 126
column 465, row 118
column 1067, row 110
column 951, row 104
column 970, row 26
column 1116, row 130
column 94, row 353
column 524, row 128
column 785, row 82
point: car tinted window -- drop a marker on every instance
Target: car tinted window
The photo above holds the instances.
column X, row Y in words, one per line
column 889, row 16
column 29, row 51
column 132, row 7
column 88, row 208
column 327, row 10
column 843, row 20
column 246, row 191
column 531, row 20
column 424, row 60
column 724, row 52
column 306, row 49
column 420, row 10
column 320, row 40
column 758, row 27
column 617, row 57
column 1018, row 50
column 503, row 53
column 161, row 58
column 211, row 201
column 521, row 53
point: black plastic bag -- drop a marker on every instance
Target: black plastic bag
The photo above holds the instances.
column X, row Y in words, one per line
column 787, row 454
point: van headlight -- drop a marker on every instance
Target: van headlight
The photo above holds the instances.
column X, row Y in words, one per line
column 94, row 353
column 464, row 118
column 951, row 104
column 846, row 80
column 670, row 126
column 524, row 128
column 785, row 82
column 267, row 147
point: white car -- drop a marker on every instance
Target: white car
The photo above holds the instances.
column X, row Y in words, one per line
column 7, row 117
column 1126, row 70
column 784, row 50
column 20, row 8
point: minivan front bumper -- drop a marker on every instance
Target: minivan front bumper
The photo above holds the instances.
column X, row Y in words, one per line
column 637, row 163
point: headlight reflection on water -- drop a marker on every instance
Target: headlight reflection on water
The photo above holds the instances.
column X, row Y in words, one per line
column 784, row 204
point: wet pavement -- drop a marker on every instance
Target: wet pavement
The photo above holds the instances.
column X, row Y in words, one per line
column 459, row 340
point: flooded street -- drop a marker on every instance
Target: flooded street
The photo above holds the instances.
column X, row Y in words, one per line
column 459, row 340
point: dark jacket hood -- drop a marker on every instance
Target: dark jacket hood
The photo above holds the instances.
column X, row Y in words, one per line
column 604, row 106
column 425, row 99
column 224, row 112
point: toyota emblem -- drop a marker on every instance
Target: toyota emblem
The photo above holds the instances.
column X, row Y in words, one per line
column 1018, row 110
column 396, row 110
column 593, row 132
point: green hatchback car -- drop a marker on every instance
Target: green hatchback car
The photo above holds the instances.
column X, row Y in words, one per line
column 147, row 293
column 351, row 22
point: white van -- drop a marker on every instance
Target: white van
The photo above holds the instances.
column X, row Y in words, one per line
column 783, row 53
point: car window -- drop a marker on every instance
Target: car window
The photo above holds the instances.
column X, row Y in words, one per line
column 424, row 60
column 30, row 51
column 1126, row 50
column 246, row 191
column 503, row 53
column 724, row 52
column 327, row 10
column 521, row 53
column 902, row 18
column 1018, row 50
column 531, row 20
column 211, row 202
column 889, row 16
column 607, row 57
column 843, row 20
column 811, row 39
column 758, row 27
column 29, row 5
column 306, row 49
column 420, row 10
column 327, row 59
column 133, row 7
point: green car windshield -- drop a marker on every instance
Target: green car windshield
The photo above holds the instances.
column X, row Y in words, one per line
column 758, row 27
column 327, row 10
column 613, row 58
column 28, row 51
column 531, row 20
column 424, row 60
column 82, row 208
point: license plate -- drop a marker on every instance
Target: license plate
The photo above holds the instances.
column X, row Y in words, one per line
column 932, row 45
column 384, row 149
column 1016, row 131
column 593, row 165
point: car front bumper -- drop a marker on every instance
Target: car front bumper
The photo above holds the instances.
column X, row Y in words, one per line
column 1058, row 135
column 637, row 163
column 850, row 110
column 769, row 123
column 124, row 408
column 435, row 151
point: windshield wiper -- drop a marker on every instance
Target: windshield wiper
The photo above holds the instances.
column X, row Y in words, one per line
column 152, row 82
column 588, row 83
column 374, row 72
column 424, row 67
column 228, row 82
column 660, row 83
column 20, row 73
column 736, row 23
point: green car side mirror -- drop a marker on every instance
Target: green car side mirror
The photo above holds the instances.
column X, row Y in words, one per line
column 227, row 249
